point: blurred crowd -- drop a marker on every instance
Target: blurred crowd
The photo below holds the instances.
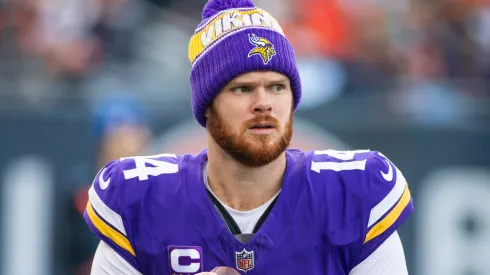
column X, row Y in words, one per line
column 108, row 56
column 67, row 50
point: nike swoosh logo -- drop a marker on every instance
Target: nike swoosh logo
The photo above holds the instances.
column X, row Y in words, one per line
column 103, row 183
column 388, row 176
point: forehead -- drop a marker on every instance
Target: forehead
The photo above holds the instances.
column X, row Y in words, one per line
column 260, row 76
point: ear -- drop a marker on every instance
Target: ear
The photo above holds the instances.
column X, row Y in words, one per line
column 207, row 113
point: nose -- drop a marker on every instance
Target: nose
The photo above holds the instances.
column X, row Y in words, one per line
column 263, row 102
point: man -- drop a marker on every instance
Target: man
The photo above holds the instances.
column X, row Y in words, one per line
column 247, row 201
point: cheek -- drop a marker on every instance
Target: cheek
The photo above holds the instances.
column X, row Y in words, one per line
column 286, row 117
column 230, row 106
column 233, row 122
column 234, row 114
column 231, row 119
column 285, row 111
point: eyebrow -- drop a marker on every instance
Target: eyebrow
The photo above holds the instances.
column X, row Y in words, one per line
column 241, row 83
column 281, row 80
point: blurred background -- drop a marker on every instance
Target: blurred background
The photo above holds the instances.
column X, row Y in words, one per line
column 86, row 81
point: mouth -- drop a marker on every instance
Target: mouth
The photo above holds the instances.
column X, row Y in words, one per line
column 262, row 128
column 262, row 125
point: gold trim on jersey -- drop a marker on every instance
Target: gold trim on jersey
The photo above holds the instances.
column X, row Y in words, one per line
column 391, row 199
column 108, row 231
column 109, row 216
column 391, row 218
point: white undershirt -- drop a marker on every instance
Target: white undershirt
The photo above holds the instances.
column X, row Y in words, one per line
column 246, row 220
column 387, row 259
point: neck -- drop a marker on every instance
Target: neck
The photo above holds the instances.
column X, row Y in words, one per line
column 240, row 187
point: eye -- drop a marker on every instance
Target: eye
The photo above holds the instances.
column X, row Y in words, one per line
column 242, row 89
column 277, row 87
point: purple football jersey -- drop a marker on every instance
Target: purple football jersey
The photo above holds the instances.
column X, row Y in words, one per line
column 334, row 210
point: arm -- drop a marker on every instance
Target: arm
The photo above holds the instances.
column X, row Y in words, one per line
column 109, row 262
column 387, row 259
column 105, row 215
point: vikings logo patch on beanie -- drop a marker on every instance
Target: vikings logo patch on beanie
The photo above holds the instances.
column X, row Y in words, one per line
column 263, row 47
column 235, row 37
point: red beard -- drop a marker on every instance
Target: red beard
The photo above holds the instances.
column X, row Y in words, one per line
column 251, row 151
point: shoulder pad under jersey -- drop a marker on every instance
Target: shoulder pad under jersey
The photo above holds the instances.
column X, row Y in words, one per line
column 366, row 194
column 118, row 189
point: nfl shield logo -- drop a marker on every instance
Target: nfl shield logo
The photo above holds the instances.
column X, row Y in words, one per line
column 244, row 260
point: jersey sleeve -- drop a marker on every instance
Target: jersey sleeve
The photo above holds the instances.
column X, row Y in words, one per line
column 109, row 196
column 109, row 262
column 366, row 199
column 388, row 259
column 388, row 201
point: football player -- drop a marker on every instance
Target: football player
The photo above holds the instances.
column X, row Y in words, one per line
column 247, row 201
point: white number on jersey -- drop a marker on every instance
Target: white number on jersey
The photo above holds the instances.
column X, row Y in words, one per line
column 158, row 167
column 347, row 158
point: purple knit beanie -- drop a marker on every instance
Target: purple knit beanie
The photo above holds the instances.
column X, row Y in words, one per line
column 234, row 38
